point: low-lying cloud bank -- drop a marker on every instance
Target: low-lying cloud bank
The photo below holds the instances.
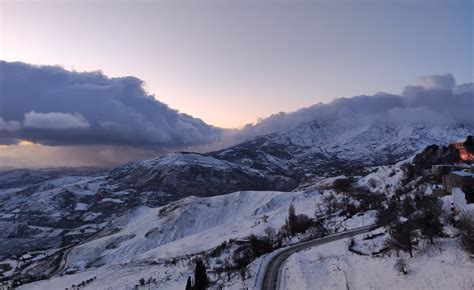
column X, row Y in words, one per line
column 434, row 99
column 48, row 105
column 52, row 106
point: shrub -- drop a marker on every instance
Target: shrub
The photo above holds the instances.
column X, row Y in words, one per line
column 343, row 184
column 387, row 215
column 259, row 246
column 401, row 265
column 466, row 227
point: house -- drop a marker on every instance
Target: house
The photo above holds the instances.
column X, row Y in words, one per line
column 458, row 178
column 442, row 169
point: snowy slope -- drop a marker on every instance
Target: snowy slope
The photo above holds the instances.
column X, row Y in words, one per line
column 191, row 225
column 332, row 266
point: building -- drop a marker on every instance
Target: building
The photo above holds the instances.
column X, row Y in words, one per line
column 443, row 169
column 457, row 179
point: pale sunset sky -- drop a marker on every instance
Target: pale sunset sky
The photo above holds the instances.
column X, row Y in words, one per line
column 231, row 62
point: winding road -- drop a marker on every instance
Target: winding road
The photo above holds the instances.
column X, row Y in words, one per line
column 272, row 271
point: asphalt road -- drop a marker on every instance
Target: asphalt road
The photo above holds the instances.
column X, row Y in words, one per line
column 271, row 280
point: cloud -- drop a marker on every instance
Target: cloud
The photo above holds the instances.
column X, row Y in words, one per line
column 60, row 107
column 435, row 99
column 112, row 120
column 436, row 82
column 9, row 126
column 54, row 120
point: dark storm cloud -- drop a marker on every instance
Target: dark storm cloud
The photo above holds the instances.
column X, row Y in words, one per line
column 53, row 106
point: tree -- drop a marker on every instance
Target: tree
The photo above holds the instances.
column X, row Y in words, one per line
column 466, row 227
column 430, row 226
column 407, row 207
column 343, row 184
column 189, row 284
column 271, row 233
column 291, row 221
column 387, row 215
column 402, row 237
column 259, row 246
column 296, row 223
column 200, row 277
column 428, row 221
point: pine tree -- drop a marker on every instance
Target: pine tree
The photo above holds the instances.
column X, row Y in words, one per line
column 189, row 284
column 430, row 226
column 428, row 221
column 402, row 237
column 292, row 220
column 200, row 277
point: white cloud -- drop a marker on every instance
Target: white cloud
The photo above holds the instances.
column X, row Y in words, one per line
column 55, row 120
column 436, row 82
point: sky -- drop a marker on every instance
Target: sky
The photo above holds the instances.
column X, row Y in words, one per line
column 232, row 62
column 100, row 83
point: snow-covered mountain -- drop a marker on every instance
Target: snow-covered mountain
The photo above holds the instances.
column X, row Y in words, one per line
column 316, row 148
column 55, row 212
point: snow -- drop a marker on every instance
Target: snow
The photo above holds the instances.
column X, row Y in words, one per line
column 459, row 198
column 108, row 199
column 384, row 178
column 332, row 266
column 81, row 206
column 182, row 159
column 194, row 224
column 463, row 173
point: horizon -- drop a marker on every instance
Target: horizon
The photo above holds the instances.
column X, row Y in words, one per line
column 102, row 88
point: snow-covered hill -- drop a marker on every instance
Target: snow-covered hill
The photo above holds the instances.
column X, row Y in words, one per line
column 149, row 238
column 185, row 174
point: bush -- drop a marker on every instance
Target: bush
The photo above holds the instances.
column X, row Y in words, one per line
column 387, row 215
column 259, row 246
column 466, row 227
column 401, row 265
column 343, row 184
column 368, row 200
